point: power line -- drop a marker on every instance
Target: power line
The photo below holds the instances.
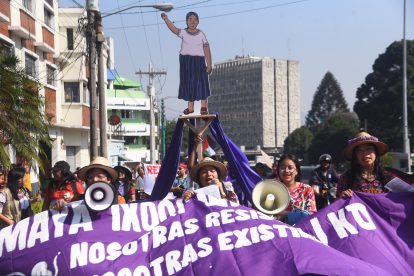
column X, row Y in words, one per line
column 219, row 15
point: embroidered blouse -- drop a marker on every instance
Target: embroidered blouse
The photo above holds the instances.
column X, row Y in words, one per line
column 302, row 198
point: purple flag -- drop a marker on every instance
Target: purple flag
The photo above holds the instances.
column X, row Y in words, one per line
column 209, row 236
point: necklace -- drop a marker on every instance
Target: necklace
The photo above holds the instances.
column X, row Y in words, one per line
column 368, row 176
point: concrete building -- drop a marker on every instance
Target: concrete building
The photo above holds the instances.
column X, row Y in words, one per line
column 28, row 29
column 257, row 100
column 129, row 104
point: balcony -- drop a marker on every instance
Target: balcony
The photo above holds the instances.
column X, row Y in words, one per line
column 20, row 32
column 44, row 47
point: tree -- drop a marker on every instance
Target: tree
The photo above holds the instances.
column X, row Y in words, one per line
column 169, row 130
column 332, row 136
column 379, row 98
column 298, row 142
column 22, row 123
column 327, row 100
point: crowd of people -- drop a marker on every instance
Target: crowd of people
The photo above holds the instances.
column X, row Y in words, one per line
column 365, row 174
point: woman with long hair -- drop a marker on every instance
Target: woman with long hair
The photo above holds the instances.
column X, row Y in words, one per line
column 302, row 198
column 15, row 182
column 366, row 173
column 9, row 208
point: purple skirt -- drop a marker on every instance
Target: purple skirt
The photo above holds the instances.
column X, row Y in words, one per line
column 194, row 84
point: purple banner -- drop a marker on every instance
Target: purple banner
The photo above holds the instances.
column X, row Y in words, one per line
column 369, row 235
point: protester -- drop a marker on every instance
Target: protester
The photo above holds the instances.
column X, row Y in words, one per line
column 209, row 172
column 64, row 187
column 194, row 54
column 15, row 182
column 260, row 169
column 302, row 198
column 10, row 211
column 182, row 180
column 124, row 185
column 324, row 180
column 274, row 170
column 99, row 170
column 366, row 173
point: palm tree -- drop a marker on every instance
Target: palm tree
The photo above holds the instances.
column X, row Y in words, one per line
column 22, row 122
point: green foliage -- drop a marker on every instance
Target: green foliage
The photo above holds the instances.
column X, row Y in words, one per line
column 328, row 99
column 379, row 98
column 298, row 142
column 332, row 136
column 169, row 130
column 37, row 207
column 22, row 123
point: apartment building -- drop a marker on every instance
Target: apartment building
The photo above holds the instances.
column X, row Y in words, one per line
column 258, row 100
column 129, row 104
column 50, row 44
column 28, row 29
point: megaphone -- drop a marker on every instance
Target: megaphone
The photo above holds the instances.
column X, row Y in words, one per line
column 99, row 196
column 270, row 197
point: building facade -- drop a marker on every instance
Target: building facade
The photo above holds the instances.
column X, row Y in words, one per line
column 29, row 30
column 257, row 99
column 128, row 102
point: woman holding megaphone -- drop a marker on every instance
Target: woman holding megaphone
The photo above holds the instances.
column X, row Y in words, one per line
column 302, row 198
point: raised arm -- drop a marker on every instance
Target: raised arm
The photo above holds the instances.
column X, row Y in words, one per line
column 170, row 25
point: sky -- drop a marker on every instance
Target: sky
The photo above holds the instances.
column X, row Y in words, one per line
column 341, row 36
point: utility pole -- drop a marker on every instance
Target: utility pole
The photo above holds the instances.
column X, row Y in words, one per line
column 151, row 93
column 100, row 39
column 406, row 141
column 92, row 9
column 162, row 129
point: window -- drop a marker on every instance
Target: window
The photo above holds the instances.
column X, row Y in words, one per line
column 30, row 65
column 50, row 2
column 28, row 5
column 72, row 94
column 85, row 93
column 6, row 48
column 48, row 18
column 69, row 35
column 51, row 78
column 128, row 114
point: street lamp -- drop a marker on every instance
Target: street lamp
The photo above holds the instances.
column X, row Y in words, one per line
column 166, row 7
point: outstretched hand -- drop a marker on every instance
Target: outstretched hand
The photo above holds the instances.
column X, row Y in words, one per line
column 164, row 16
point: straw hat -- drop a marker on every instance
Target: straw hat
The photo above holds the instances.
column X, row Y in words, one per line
column 126, row 171
column 99, row 163
column 221, row 169
column 364, row 138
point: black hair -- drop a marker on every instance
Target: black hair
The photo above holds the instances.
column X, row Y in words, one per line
column 294, row 160
column 15, row 174
column 353, row 175
column 190, row 14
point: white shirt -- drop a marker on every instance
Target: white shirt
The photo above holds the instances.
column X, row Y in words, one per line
column 192, row 43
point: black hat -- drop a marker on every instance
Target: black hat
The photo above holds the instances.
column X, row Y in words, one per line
column 62, row 166
column 127, row 172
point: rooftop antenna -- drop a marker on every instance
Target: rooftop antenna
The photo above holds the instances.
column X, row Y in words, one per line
column 242, row 42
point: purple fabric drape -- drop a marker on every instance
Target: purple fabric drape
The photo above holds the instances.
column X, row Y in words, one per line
column 237, row 160
column 169, row 165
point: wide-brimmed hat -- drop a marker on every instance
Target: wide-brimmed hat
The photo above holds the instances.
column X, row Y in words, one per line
column 100, row 163
column 126, row 171
column 221, row 169
column 364, row 138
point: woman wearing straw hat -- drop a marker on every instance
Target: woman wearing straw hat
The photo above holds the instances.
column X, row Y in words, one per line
column 211, row 172
column 99, row 170
column 366, row 173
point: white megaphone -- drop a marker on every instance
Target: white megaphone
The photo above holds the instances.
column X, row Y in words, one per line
column 99, row 196
column 270, row 197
